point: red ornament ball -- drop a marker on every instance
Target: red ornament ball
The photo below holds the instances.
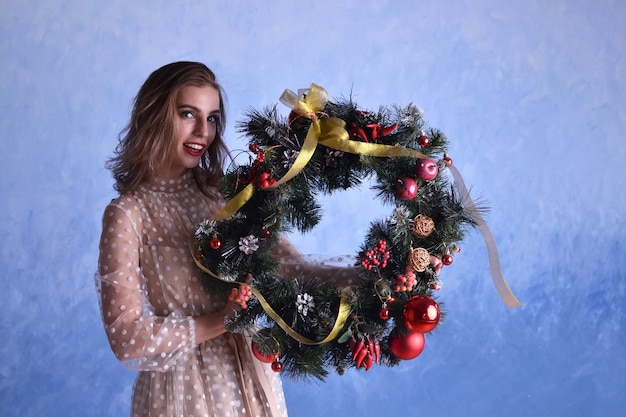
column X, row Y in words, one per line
column 447, row 259
column 215, row 243
column 406, row 188
column 263, row 357
column 384, row 313
column 421, row 314
column 426, row 169
column 295, row 118
column 406, row 346
column 277, row 366
column 423, row 141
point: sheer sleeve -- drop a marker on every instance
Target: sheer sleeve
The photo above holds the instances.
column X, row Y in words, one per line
column 140, row 339
column 339, row 270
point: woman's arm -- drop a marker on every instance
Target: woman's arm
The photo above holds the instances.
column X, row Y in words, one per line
column 139, row 338
column 293, row 263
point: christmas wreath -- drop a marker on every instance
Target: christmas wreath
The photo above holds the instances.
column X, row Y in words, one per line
column 309, row 327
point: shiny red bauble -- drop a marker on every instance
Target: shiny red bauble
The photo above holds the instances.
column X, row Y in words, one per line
column 423, row 141
column 406, row 188
column 447, row 259
column 215, row 243
column 277, row 366
column 406, row 346
column 426, row 169
column 384, row 313
column 263, row 357
column 421, row 314
column 296, row 118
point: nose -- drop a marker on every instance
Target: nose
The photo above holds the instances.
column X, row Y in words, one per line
column 201, row 128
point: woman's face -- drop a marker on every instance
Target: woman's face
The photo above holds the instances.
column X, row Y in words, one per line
column 195, row 126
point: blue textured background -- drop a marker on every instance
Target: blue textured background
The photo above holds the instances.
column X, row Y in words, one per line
column 532, row 95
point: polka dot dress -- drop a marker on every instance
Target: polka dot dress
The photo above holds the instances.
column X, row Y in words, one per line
column 149, row 293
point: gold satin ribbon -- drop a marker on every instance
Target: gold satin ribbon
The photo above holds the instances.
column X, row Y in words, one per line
column 235, row 203
column 492, row 249
column 342, row 316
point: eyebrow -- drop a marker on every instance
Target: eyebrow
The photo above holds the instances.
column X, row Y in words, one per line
column 196, row 109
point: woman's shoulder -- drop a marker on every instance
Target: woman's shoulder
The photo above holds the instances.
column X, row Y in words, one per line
column 128, row 203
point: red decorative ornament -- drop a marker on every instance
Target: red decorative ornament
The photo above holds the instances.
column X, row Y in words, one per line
column 295, row 117
column 376, row 130
column 357, row 132
column 447, row 259
column 263, row 357
column 215, row 243
column 277, row 366
column 423, row 140
column 426, row 169
column 384, row 313
column 406, row 189
column 384, row 131
column 266, row 233
column 406, row 346
column 421, row 314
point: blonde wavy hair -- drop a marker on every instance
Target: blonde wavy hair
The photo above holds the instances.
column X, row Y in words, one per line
column 146, row 142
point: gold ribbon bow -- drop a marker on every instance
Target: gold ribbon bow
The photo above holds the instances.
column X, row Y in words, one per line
column 329, row 132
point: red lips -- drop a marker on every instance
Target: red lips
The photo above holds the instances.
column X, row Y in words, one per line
column 194, row 148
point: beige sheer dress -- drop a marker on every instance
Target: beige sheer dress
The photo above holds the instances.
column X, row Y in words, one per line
column 150, row 291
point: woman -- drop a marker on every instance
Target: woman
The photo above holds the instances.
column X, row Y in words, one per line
column 158, row 318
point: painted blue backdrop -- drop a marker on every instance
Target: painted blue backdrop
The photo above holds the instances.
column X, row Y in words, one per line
column 531, row 93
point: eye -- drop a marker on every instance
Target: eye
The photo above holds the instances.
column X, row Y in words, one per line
column 186, row 114
column 213, row 119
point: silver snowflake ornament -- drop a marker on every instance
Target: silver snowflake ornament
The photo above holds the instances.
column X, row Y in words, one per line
column 289, row 157
column 249, row 244
column 271, row 131
column 331, row 158
column 411, row 113
column 206, row 227
column 304, row 303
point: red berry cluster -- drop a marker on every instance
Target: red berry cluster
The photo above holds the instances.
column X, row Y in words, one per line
column 404, row 282
column 262, row 178
column 376, row 257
